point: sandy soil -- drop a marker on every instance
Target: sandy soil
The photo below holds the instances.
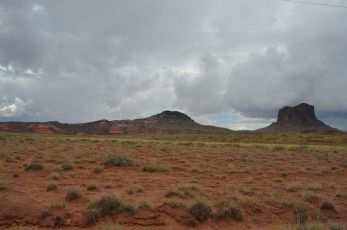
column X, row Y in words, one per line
column 267, row 182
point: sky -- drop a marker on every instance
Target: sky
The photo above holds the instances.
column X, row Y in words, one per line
column 231, row 63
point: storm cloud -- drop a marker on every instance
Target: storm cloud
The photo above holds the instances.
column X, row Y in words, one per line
column 229, row 63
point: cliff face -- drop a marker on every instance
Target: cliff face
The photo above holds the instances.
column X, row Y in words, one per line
column 165, row 122
column 299, row 118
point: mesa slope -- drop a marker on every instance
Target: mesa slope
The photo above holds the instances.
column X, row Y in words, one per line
column 165, row 122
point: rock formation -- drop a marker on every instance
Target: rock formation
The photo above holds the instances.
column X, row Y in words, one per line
column 300, row 118
column 165, row 122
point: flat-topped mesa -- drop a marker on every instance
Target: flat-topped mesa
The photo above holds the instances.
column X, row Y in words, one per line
column 301, row 114
column 298, row 118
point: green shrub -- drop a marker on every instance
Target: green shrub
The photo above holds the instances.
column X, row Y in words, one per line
column 51, row 187
column 92, row 216
column 73, row 194
column 230, row 209
column 201, row 211
column 115, row 160
column 34, row 166
column 326, row 205
column 107, row 204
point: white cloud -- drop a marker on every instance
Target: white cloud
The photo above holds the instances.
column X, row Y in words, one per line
column 15, row 109
column 82, row 60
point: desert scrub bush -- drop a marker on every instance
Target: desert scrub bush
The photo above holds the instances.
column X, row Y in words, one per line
column 172, row 192
column 189, row 191
column 66, row 166
column 92, row 187
column 108, row 203
column 55, row 176
column 116, row 160
column 314, row 187
column 133, row 190
column 173, row 204
column 92, row 216
column 310, row 197
column 51, row 187
column 326, row 205
column 200, row 210
column 294, row 187
column 301, row 212
column 230, row 209
column 144, row 205
column 3, row 186
column 34, row 166
column 73, row 194
column 98, row 169
column 154, row 168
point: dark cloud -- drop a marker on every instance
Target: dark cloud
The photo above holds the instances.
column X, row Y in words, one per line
column 85, row 60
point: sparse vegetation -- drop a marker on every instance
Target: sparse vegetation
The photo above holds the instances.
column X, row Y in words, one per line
column 106, row 204
column 230, row 209
column 73, row 194
column 133, row 190
column 58, row 205
column 209, row 168
column 294, row 187
column 55, row 176
column 310, row 197
column 51, row 187
column 201, row 211
column 98, row 169
column 67, row 166
column 173, row 204
column 301, row 212
column 116, row 160
column 326, row 205
column 144, row 205
column 92, row 187
column 34, row 166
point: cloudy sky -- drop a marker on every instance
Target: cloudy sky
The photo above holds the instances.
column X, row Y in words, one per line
column 231, row 63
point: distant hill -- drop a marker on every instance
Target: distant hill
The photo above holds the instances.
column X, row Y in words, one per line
column 165, row 122
column 300, row 118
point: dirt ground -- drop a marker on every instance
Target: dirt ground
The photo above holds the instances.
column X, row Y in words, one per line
column 272, row 186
